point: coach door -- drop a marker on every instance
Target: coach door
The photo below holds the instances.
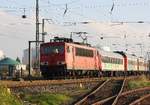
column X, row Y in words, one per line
column 95, row 60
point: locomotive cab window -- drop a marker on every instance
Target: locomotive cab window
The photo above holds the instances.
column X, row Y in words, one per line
column 53, row 49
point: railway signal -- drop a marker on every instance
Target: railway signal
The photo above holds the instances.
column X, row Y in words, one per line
column 24, row 15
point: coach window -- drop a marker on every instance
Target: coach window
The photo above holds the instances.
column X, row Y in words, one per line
column 103, row 59
column 110, row 60
column 120, row 61
column 46, row 50
column 117, row 61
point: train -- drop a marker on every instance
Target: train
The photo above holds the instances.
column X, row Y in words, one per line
column 63, row 58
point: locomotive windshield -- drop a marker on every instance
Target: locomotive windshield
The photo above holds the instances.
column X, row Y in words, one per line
column 53, row 50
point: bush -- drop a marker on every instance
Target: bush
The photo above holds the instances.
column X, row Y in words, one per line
column 47, row 99
column 6, row 98
column 139, row 83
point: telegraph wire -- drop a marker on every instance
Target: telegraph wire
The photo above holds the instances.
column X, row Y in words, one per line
column 85, row 6
column 71, row 2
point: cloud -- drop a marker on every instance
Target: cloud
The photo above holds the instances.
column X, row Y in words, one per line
column 135, row 33
column 15, row 33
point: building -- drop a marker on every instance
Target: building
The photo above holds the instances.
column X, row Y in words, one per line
column 26, row 56
column 8, row 67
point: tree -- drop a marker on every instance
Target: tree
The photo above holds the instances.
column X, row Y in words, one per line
column 18, row 60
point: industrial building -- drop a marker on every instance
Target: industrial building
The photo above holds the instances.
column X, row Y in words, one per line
column 25, row 56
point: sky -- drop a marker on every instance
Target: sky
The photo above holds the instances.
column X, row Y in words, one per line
column 103, row 17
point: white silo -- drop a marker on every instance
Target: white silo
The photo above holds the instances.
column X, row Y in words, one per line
column 2, row 55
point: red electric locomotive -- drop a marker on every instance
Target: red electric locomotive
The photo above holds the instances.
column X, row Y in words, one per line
column 61, row 57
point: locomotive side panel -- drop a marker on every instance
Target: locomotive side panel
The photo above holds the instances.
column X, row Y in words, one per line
column 81, row 57
column 69, row 56
column 84, row 58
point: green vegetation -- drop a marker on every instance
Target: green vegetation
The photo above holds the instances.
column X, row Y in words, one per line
column 139, row 83
column 6, row 98
column 47, row 99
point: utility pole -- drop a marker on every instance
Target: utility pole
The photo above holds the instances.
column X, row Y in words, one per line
column 37, row 30
column 43, row 34
column 141, row 48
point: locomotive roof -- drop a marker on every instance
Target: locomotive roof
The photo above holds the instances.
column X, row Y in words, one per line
column 110, row 54
column 129, row 56
column 67, row 40
column 77, row 44
column 141, row 59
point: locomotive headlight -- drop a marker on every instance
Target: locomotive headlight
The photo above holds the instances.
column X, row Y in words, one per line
column 44, row 63
column 60, row 62
column 41, row 63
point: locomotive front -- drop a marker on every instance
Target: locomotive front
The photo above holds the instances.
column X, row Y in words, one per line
column 52, row 58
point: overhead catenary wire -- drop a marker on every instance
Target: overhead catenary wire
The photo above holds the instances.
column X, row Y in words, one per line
column 90, row 6
column 112, row 8
column 86, row 6
column 66, row 9
column 81, row 14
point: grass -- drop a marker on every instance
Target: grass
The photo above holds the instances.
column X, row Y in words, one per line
column 61, row 98
column 47, row 99
column 139, row 83
column 6, row 98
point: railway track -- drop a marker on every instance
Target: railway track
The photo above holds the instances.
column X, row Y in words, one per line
column 142, row 101
column 112, row 91
column 134, row 97
column 105, row 93
column 17, row 84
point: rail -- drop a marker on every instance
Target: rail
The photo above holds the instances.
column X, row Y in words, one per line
column 112, row 99
column 94, row 91
column 16, row 84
